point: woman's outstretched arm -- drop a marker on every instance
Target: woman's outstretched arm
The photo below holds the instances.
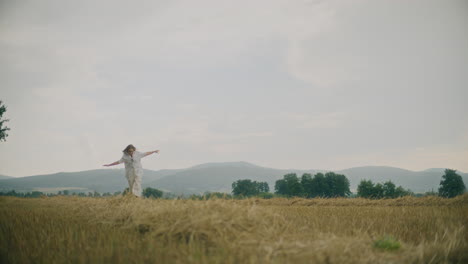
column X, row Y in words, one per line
column 149, row 153
column 112, row 164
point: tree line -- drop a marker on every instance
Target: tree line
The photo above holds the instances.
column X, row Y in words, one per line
column 148, row 192
column 331, row 184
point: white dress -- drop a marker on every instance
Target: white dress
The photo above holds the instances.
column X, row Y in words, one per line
column 133, row 171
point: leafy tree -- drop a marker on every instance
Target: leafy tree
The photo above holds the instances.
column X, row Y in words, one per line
column 338, row 185
column 329, row 184
column 263, row 187
column 378, row 191
column 399, row 192
column 3, row 129
column 210, row 195
column 451, row 184
column 248, row 187
column 151, row 192
column 389, row 189
column 308, row 185
column 281, row 187
column 365, row 189
column 289, row 185
column 321, row 186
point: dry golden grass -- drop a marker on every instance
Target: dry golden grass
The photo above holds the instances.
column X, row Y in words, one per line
column 131, row 230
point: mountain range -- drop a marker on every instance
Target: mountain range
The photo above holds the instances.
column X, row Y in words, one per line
column 213, row 177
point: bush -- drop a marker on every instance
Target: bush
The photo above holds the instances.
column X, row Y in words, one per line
column 387, row 243
column 149, row 192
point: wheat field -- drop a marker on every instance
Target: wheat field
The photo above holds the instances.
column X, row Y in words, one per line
column 125, row 229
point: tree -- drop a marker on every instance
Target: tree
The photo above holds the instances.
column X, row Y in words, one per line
column 451, row 184
column 289, row 185
column 365, row 189
column 389, row 190
column 281, row 187
column 308, row 185
column 263, row 187
column 399, row 192
column 3, row 128
column 151, row 192
column 338, row 185
column 378, row 192
column 321, row 187
column 248, row 187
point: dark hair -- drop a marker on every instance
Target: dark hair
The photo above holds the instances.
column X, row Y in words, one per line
column 128, row 147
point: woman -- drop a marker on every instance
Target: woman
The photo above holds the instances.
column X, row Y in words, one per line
column 133, row 169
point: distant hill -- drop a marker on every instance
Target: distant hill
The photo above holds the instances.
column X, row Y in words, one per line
column 5, row 177
column 104, row 180
column 217, row 177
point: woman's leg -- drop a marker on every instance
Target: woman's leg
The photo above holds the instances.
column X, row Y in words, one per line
column 131, row 181
column 137, row 185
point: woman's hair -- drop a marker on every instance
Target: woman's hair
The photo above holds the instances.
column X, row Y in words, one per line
column 128, row 147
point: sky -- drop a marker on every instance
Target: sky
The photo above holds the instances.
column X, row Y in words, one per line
column 278, row 83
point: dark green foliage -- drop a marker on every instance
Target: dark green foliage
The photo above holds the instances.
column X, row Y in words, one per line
column 389, row 189
column 387, row 243
column 399, row 192
column 329, row 184
column 367, row 189
column 451, row 184
column 338, row 185
column 289, row 185
column 3, row 129
column 151, row 192
column 33, row 194
column 378, row 191
column 248, row 187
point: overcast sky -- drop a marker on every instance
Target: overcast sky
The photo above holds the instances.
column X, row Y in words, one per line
column 282, row 84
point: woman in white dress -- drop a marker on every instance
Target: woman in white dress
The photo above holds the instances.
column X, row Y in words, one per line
column 133, row 169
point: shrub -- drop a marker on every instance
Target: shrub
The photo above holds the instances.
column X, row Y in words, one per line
column 387, row 243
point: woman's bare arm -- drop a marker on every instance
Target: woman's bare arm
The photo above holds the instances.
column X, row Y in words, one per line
column 149, row 153
column 112, row 164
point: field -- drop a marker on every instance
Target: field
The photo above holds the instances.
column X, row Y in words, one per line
column 125, row 229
